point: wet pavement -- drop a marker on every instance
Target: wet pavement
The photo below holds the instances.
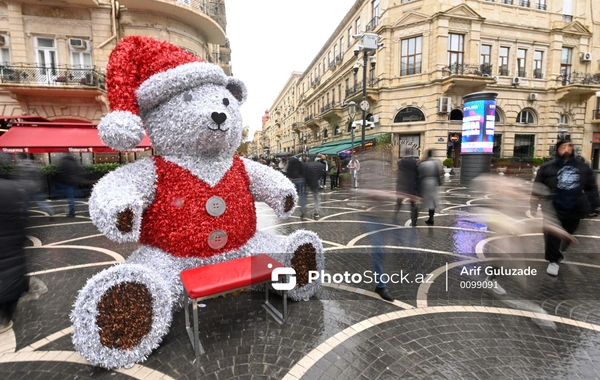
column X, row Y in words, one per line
column 446, row 322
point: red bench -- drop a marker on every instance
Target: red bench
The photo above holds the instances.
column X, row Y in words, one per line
column 216, row 279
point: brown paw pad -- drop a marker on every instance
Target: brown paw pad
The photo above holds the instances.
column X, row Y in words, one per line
column 124, row 315
column 289, row 203
column 304, row 260
column 125, row 221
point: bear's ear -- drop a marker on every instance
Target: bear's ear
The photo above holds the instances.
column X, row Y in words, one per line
column 237, row 89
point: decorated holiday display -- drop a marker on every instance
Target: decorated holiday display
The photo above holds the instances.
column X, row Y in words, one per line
column 191, row 204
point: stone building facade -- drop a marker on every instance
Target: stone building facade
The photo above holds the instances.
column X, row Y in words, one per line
column 54, row 53
column 542, row 58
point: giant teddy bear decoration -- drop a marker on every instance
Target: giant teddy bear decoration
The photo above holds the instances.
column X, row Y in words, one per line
column 190, row 204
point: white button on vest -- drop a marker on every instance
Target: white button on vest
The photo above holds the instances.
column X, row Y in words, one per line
column 215, row 206
column 217, row 239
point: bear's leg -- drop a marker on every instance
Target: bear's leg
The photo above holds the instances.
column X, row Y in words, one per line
column 302, row 250
column 122, row 313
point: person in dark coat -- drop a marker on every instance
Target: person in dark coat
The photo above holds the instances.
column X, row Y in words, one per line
column 564, row 184
column 295, row 172
column 69, row 179
column 406, row 187
column 13, row 282
column 313, row 172
column 429, row 171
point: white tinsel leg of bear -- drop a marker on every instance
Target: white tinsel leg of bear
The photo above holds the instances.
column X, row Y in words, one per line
column 122, row 313
column 302, row 250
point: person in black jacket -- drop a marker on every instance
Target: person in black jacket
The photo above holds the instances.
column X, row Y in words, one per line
column 295, row 172
column 560, row 186
column 406, row 187
column 13, row 282
column 68, row 180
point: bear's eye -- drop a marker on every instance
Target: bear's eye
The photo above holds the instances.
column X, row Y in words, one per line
column 226, row 101
column 187, row 97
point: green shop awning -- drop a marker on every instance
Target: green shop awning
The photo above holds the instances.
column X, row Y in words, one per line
column 334, row 147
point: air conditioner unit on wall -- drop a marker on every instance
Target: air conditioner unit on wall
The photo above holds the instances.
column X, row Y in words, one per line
column 516, row 80
column 444, row 104
column 77, row 43
column 585, row 57
column 533, row 96
column 375, row 119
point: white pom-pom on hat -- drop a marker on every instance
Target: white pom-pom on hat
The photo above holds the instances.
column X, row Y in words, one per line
column 121, row 130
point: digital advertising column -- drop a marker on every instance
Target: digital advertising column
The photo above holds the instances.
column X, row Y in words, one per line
column 477, row 144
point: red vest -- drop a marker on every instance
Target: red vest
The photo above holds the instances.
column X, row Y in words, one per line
column 178, row 221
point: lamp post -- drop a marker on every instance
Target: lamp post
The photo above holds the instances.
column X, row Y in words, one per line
column 370, row 43
column 351, row 115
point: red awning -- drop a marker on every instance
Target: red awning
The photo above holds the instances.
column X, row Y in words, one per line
column 58, row 139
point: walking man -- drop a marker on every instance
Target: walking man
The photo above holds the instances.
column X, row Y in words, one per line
column 564, row 183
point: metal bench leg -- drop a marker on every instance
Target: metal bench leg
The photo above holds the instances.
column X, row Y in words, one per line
column 276, row 314
column 193, row 330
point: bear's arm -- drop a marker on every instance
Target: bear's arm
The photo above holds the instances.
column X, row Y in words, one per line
column 119, row 199
column 271, row 187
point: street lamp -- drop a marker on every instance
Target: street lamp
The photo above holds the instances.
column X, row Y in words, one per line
column 351, row 115
column 562, row 133
column 370, row 43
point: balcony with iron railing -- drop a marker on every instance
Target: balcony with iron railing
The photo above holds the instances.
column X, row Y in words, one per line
column 24, row 76
column 537, row 74
column 411, row 69
column 521, row 73
column 506, row 2
column 206, row 15
column 577, row 86
column 372, row 24
column 467, row 77
column 524, row 3
column 541, row 6
column 358, row 87
column 503, row 72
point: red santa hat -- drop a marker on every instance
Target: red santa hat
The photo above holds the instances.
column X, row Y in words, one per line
column 142, row 72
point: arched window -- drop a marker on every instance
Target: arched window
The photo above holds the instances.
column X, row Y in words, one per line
column 525, row 117
column 409, row 114
column 499, row 116
column 325, row 133
column 564, row 119
column 456, row 115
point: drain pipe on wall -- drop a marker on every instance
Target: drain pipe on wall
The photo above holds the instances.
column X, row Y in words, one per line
column 113, row 15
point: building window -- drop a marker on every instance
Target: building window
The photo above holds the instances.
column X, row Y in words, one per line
column 564, row 120
column 497, row 149
column 408, row 115
column 485, row 60
column 538, row 57
column 566, row 61
column 349, row 36
column 320, row 70
column 567, row 10
column 335, row 52
column 410, row 61
column 456, row 52
column 503, row 61
column 524, row 145
column 340, row 92
column 525, row 117
column 375, row 8
column 521, row 63
column 524, row 3
column 456, row 115
column 46, row 56
column 507, row 2
column 342, row 45
column 357, row 24
column 540, row 4
column 5, row 51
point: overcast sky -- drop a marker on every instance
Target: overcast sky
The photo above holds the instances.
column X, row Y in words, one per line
column 270, row 39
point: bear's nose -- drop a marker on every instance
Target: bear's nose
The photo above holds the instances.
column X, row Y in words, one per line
column 218, row 117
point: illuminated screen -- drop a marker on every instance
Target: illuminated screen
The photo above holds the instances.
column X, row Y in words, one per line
column 478, row 126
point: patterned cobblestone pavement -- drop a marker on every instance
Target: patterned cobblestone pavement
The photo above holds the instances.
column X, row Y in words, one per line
column 443, row 325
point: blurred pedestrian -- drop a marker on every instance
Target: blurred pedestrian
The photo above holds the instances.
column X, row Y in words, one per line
column 378, row 185
column 429, row 172
column 406, row 187
column 295, row 172
column 30, row 181
column 13, row 267
column 569, row 182
column 69, row 178
column 333, row 173
column 354, row 167
column 313, row 172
